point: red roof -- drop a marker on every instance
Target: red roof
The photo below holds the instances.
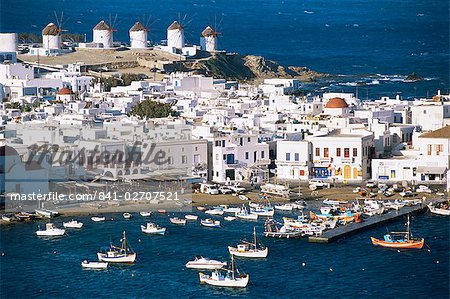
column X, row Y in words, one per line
column 65, row 90
column 336, row 103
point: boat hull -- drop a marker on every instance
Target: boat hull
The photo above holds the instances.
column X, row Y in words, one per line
column 240, row 282
column 94, row 265
column 259, row 253
column 438, row 211
column 53, row 233
column 205, row 266
column 125, row 259
column 160, row 231
column 412, row 244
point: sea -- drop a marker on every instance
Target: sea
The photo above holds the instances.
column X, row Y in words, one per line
column 371, row 46
column 35, row 267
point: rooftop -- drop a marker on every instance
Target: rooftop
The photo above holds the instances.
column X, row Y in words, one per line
column 102, row 25
column 439, row 133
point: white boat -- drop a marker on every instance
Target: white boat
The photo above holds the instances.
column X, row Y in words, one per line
column 126, row 215
column 229, row 218
column 232, row 210
column 229, row 278
column 439, row 210
column 178, row 221
column 253, row 205
column 244, row 214
column 210, row 223
column 263, row 211
column 50, row 231
column 116, row 254
column 153, row 229
column 46, row 213
column 205, row 263
column 249, row 249
column 285, row 207
column 145, row 214
column 98, row 219
column 215, row 212
column 191, row 217
column 334, row 202
column 243, row 197
column 8, row 217
column 73, row 224
column 200, row 208
column 94, row 265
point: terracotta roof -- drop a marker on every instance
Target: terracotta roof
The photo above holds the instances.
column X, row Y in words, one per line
column 50, row 29
column 209, row 32
column 439, row 133
column 175, row 25
column 8, row 151
column 65, row 90
column 102, row 25
column 138, row 27
column 336, row 103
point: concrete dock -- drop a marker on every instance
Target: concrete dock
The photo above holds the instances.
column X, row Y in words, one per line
column 346, row 230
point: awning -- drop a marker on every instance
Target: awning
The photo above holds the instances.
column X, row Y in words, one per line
column 431, row 169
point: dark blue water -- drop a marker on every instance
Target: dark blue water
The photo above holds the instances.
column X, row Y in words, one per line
column 35, row 267
column 351, row 37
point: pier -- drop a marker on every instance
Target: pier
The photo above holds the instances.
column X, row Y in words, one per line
column 346, row 230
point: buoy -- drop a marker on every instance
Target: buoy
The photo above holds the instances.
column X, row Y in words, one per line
column 303, row 264
column 139, row 240
column 363, row 269
column 3, row 254
column 331, row 269
column 437, row 262
column 398, row 250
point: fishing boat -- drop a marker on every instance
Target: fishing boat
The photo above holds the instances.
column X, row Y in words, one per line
column 244, row 214
column 214, row 212
column 8, row 217
column 50, row 230
column 229, row 218
column 210, row 223
column 177, row 221
column 203, row 263
column 226, row 278
column 249, row 249
column 24, row 216
column 46, row 213
column 145, row 214
column 98, row 219
column 285, row 207
column 94, row 265
column 153, row 229
column 191, row 217
column 116, row 254
column 334, row 202
column 243, row 197
column 272, row 231
column 73, row 224
column 262, row 210
column 399, row 240
column 440, row 209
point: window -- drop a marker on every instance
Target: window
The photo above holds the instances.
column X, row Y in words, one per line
column 246, row 155
column 262, row 154
column 429, row 149
column 288, row 157
column 338, row 152
column 249, row 139
column 224, row 157
column 296, row 157
column 183, row 159
column 317, row 151
column 217, row 156
column 355, row 152
column 346, row 152
column 325, row 152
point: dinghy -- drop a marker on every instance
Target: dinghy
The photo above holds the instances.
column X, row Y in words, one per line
column 98, row 219
column 73, row 224
column 153, row 229
column 210, row 223
column 178, row 221
column 94, row 265
column 191, row 217
column 145, row 214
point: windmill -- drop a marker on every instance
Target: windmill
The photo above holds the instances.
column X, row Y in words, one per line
column 139, row 33
column 209, row 37
column 103, row 32
column 51, row 34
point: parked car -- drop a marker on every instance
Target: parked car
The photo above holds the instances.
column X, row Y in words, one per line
column 225, row 190
column 318, row 184
column 236, row 188
column 209, row 189
column 423, row 189
column 371, row 184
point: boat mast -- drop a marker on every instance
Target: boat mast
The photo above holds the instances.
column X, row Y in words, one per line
column 232, row 266
column 124, row 242
column 254, row 236
column 408, row 233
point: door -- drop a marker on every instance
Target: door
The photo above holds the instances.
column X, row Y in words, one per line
column 347, row 172
column 229, row 173
column 355, row 173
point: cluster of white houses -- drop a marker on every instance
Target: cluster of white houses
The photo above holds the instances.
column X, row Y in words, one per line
column 226, row 131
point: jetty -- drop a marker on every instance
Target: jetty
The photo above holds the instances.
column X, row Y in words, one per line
column 352, row 228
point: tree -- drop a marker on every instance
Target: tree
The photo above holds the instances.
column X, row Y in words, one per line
column 152, row 109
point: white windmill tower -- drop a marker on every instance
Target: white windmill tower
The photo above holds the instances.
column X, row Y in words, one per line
column 138, row 36
column 51, row 37
column 103, row 34
column 175, row 36
column 208, row 39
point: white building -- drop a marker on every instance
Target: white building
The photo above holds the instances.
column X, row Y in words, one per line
column 8, row 47
column 138, row 36
column 431, row 115
column 293, row 160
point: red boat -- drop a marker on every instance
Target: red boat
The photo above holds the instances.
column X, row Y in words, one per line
column 399, row 240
